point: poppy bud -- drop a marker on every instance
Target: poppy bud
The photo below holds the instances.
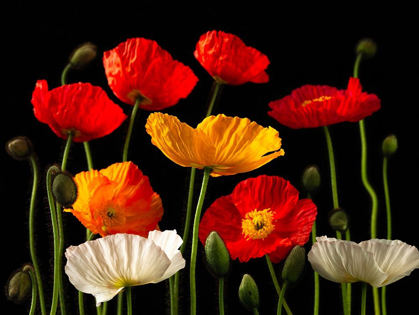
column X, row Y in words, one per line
column 389, row 145
column 217, row 254
column 19, row 148
column 338, row 220
column 249, row 293
column 64, row 189
column 367, row 47
column 82, row 55
column 19, row 287
column 294, row 264
column 311, row 179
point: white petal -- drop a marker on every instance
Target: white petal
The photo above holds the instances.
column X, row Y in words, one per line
column 105, row 266
column 169, row 241
column 396, row 258
column 344, row 262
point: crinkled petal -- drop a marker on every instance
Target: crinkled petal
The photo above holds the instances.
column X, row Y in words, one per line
column 396, row 258
column 344, row 262
column 104, row 266
column 169, row 241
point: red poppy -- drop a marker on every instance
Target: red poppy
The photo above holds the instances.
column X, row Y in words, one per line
column 261, row 216
column 228, row 60
column 80, row 108
column 315, row 106
column 140, row 68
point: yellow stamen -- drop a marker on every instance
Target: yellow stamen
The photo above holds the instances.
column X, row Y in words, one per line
column 319, row 99
column 258, row 224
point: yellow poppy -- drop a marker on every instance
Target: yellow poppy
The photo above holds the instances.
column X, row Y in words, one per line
column 228, row 145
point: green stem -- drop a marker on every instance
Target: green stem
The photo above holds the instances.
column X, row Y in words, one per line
column 281, row 298
column 207, row 171
column 88, row 155
column 357, row 63
column 216, row 88
column 32, row 233
column 276, row 284
column 387, row 197
column 332, row 167
column 383, row 300
column 81, row 303
column 61, row 229
column 173, row 295
column 120, row 301
column 364, row 299
column 104, row 308
column 56, row 238
column 221, row 295
column 64, row 74
column 129, row 300
column 130, row 126
column 316, row 275
column 34, row 292
column 255, row 311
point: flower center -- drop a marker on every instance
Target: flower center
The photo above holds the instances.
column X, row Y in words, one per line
column 258, row 224
column 319, row 99
column 134, row 94
column 112, row 215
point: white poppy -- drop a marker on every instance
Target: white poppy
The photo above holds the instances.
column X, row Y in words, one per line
column 377, row 262
column 105, row 266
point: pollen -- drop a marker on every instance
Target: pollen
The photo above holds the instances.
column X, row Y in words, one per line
column 319, row 99
column 112, row 215
column 258, row 224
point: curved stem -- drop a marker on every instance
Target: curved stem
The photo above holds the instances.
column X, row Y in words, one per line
column 129, row 300
column 32, row 233
column 221, row 295
column 64, row 74
column 216, row 88
column 130, row 126
column 357, row 63
column 387, row 197
column 205, row 179
column 332, row 167
column 276, row 284
column 364, row 299
column 34, row 292
column 56, row 239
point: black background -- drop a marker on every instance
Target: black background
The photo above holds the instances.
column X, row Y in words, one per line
column 305, row 44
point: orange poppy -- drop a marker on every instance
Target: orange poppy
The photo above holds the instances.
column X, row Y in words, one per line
column 118, row 199
column 228, row 145
column 228, row 60
column 140, row 68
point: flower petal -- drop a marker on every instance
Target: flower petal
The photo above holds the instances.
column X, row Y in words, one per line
column 169, row 241
column 104, row 266
column 344, row 262
column 396, row 258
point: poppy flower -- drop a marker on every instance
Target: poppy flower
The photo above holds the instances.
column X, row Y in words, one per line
column 320, row 105
column 228, row 60
column 140, row 68
column 118, row 199
column 228, row 145
column 80, row 108
column 377, row 262
column 105, row 266
column 262, row 216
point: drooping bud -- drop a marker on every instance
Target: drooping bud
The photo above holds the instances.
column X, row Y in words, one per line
column 217, row 254
column 294, row 264
column 390, row 145
column 82, row 55
column 311, row 179
column 249, row 293
column 19, row 148
column 367, row 47
column 19, row 286
column 64, row 189
column 339, row 220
